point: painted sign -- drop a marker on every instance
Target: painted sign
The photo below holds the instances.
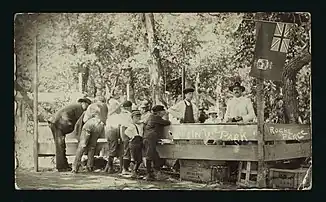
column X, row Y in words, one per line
column 214, row 132
column 287, row 132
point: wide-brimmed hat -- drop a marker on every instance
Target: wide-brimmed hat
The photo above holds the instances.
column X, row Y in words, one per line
column 158, row 108
column 237, row 84
column 188, row 90
column 84, row 99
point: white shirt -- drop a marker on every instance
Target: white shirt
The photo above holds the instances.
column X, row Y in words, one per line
column 131, row 130
column 240, row 106
column 114, row 120
column 211, row 120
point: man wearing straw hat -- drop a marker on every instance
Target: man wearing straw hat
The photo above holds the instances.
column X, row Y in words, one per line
column 239, row 108
column 62, row 123
column 185, row 111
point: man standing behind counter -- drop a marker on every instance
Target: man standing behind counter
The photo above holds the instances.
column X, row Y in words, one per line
column 185, row 111
column 239, row 108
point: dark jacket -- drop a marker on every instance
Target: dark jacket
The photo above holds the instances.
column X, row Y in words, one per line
column 154, row 127
column 66, row 118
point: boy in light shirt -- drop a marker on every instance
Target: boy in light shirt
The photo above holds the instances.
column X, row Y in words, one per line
column 135, row 133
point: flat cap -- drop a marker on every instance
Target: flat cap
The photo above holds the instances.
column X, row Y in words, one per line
column 158, row 108
column 84, row 99
column 135, row 113
column 127, row 104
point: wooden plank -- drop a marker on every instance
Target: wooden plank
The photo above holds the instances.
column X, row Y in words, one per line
column 239, row 169
column 225, row 132
column 48, row 148
column 254, row 172
column 209, row 152
column 287, row 132
column 248, row 171
column 287, row 151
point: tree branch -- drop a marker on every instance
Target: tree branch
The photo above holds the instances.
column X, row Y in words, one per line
column 298, row 62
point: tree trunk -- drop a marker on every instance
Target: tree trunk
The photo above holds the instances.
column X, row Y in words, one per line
column 289, row 82
column 155, row 69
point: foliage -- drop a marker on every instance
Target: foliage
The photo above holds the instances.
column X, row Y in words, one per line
column 219, row 47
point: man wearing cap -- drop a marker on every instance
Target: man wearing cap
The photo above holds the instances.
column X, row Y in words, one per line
column 239, row 108
column 135, row 132
column 213, row 117
column 126, row 118
column 153, row 130
column 145, row 110
column 62, row 123
column 185, row 111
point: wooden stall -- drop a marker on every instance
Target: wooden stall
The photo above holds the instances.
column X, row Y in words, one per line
column 236, row 142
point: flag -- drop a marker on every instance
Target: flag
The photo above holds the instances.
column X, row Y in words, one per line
column 272, row 43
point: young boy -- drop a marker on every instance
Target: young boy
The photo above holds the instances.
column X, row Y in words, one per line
column 153, row 130
column 213, row 116
column 135, row 133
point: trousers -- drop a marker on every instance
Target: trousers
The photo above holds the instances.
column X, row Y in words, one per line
column 60, row 147
column 88, row 141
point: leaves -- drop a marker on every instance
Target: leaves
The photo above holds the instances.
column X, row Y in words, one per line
column 219, row 47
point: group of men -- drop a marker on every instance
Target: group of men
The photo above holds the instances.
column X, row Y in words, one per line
column 132, row 133
column 239, row 109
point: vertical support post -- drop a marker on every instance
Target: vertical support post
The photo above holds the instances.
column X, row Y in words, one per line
column 261, row 178
column 196, row 89
column 35, row 109
column 80, row 82
column 183, row 75
column 128, row 91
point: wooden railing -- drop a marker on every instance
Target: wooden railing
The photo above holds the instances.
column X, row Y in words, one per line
column 282, row 141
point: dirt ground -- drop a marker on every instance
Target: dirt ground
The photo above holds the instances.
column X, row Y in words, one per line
column 27, row 180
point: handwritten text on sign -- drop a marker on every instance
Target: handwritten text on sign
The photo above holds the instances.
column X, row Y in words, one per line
column 287, row 132
column 215, row 132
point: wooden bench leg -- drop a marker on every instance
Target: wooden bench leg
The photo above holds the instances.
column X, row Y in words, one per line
column 239, row 171
column 248, row 172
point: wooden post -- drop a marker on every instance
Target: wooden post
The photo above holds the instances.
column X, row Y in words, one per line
column 183, row 75
column 128, row 91
column 80, row 82
column 196, row 89
column 35, row 148
column 261, row 179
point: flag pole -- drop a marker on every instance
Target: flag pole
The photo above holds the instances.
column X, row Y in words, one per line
column 261, row 178
column 260, row 133
column 35, row 109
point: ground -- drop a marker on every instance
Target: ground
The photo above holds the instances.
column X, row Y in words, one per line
column 26, row 179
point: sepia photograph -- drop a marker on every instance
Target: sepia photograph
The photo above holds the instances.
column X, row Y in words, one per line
column 162, row 101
